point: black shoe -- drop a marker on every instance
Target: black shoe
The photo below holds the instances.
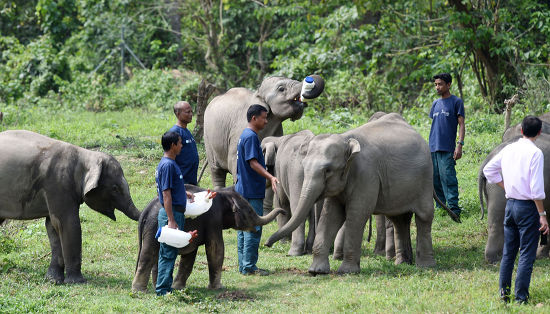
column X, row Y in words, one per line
column 520, row 301
column 505, row 296
column 258, row 272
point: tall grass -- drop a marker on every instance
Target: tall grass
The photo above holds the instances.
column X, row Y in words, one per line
column 461, row 281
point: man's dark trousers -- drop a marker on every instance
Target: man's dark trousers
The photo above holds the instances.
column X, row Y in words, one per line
column 445, row 182
column 521, row 232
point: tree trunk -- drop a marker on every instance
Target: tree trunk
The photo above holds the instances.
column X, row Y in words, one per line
column 205, row 91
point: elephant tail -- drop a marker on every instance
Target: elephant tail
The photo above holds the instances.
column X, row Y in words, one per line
column 202, row 171
column 450, row 212
column 482, row 191
column 370, row 229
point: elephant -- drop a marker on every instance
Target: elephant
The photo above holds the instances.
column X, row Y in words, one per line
column 229, row 210
column 496, row 200
column 282, row 154
column 356, row 174
column 225, row 119
column 44, row 177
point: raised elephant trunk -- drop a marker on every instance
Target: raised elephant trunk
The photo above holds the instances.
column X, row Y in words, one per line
column 310, row 193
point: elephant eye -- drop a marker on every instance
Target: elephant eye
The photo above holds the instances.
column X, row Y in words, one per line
column 281, row 89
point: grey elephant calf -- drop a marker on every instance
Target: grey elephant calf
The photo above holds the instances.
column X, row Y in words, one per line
column 382, row 167
column 44, row 177
column 225, row 119
column 229, row 210
column 496, row 200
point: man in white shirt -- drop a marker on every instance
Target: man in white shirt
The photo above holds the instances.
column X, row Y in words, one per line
column 518, row 169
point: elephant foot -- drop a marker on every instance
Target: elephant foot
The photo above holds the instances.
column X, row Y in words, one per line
column 425, row 262
column 379, row 251
column 295, row 252
column 349, row 268
column 321, row 267
column 55, row 275
column 337, row 255
column 75, row 280
column 178, row 285
column 216, row 286
column 403, row 260
column 542, row 251
column 493, row 258
column 139, row 287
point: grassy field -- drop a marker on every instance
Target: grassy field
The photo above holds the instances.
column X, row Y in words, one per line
column 461, row 282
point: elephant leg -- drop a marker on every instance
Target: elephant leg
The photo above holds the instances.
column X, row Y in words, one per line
column 71, row 243
column 390, row 239
column 155, row 272
column 496, row 204
column 356, row 219
column 268, row 200
column 542, row 251
column 339, row 245
column 332, row 217
column 184, row 270
column 424, row 248
column 147, row 259
column 215, row 251
column 380, row 245
column 297, row 244
column 310, row 232
column 282, row 219
column 57, row 265
column 218, row 177
column 402, row 234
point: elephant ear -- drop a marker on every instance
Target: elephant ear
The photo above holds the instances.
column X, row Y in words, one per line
column 353, row 149
column 269, row 149
column 91, row 178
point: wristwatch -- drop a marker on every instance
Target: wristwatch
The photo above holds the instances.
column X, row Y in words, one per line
column 460, row 142
column 543, row 213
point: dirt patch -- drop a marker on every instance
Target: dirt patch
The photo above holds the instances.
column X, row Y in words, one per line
column 294, row 271
column 236, row 295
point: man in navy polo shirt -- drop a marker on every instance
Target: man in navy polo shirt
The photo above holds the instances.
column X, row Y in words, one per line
column 188, row 158
column 173, row 198
column 447, row 113
column 251, row 181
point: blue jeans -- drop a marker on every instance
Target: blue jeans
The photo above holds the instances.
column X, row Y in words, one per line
column 167, row 254
column 445, row 182
column 521, row 231
column 249, row 242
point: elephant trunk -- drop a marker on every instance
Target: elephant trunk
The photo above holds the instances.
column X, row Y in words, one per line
column 264, row 220
column 310, row 193
column 132, row 212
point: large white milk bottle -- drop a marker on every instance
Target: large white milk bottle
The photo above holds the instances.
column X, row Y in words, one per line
column 174, row 237
column 307, row 85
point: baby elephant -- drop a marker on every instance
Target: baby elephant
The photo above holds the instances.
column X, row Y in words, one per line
column 229, row 210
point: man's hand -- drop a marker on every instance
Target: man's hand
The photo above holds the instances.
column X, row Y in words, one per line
column 274, row 182
column 211, row 194
column 193, row 234
column 190, row 196
column 543, row 225
column 458, row 152
column 172, row 224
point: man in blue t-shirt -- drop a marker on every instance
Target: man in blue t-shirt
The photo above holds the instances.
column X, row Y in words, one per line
column 251, row 182
column 188, row 158
column 173, row 199
column 447, row 113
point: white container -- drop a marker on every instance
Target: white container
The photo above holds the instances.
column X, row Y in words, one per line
column 174, row 237
column 200, row 206
column 307, row 85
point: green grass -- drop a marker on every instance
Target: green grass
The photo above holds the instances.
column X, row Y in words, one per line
column 461, row 281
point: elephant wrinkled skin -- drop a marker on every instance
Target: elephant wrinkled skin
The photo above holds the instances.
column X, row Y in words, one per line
column 356, row 173
column 229, row 210
column 44, row 177
column 225, row 119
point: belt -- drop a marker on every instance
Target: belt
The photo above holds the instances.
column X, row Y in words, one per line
column 178, row 208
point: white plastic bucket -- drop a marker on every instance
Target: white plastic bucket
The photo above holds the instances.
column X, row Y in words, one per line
column 174, row 237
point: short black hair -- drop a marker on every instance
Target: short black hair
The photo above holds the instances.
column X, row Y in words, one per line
column 254, row 111
column 531, row 126
column 445, row 77
column 168, row 139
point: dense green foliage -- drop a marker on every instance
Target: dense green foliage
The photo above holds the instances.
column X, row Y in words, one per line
column 377, row 55
column 461, row 281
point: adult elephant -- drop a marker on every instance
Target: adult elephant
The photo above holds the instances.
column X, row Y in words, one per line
column 225, row 118
column 44, row 177
column 282, row 154
column 496, row 200
column 382, row 167
column 229, row 210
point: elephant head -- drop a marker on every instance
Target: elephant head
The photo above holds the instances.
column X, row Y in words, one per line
column 105, row 188
column 282, row 96
column 327, row 162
